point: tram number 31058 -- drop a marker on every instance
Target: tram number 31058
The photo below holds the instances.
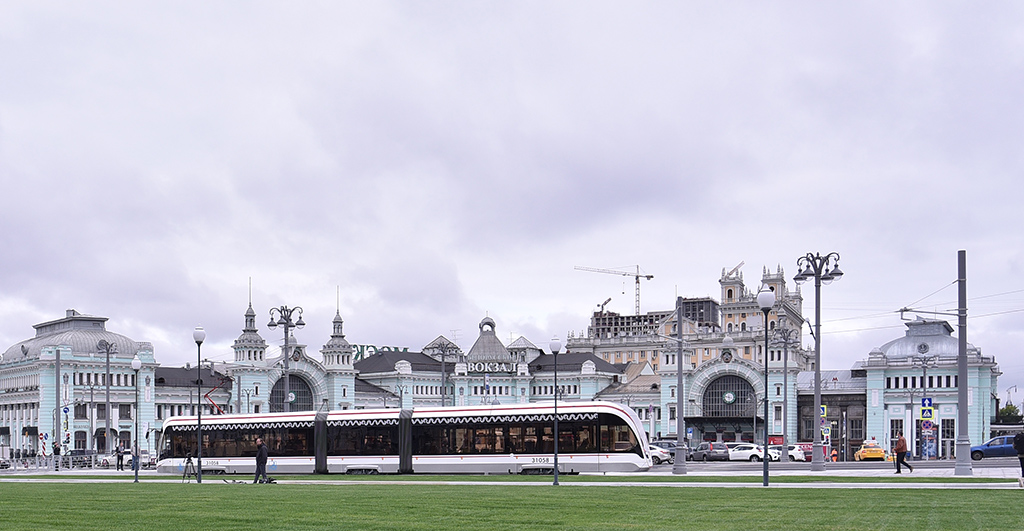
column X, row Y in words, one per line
column 541, row 459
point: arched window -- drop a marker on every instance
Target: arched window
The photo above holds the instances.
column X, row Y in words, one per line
column 297, row 385
column 728, row 294
column 743, row 326
column 729, row 396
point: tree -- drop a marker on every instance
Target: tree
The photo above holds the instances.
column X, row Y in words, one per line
column 1009, row 410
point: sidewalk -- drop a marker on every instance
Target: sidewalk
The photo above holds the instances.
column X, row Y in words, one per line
column 833, row 477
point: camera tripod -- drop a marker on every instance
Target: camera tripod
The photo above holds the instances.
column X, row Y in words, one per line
column 190, row 470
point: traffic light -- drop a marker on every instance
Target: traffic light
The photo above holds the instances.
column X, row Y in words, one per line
column 56, row 448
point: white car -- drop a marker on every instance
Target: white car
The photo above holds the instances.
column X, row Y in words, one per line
column 659, row 455
column 794, row 454
column 751, row 452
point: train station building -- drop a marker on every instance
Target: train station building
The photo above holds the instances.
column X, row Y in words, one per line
column 55, row 384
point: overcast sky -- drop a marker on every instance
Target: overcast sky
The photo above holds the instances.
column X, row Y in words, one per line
column 439, row 162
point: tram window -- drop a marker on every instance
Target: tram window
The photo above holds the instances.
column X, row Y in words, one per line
column 530, row 440
column 547, row 440
column 616, row 435
column 515, row 439
column 361, row 440
column 463, row 440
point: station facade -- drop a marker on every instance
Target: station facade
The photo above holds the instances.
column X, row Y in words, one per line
column 55, row 384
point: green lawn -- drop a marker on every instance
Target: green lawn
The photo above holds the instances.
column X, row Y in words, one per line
column 215, row 505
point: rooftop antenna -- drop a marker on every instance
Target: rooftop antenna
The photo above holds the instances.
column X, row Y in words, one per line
column 455, row 336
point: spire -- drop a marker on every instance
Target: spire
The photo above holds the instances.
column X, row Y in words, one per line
column 250, row 346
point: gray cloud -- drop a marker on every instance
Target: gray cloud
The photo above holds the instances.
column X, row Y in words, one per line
column 444, row 162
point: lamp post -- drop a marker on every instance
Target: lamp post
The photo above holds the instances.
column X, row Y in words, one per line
column 784, row 336
column 108, row 348
column 963, row 440
column 679, row 465
column 199, row 335
column 766, row 299
column 136, row 365
column 555, row 346
column 821, row 269
column 445, row 349
column 284, row 318
column 247, row 393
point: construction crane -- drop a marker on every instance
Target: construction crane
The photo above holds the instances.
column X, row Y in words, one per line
column 637, row 275
column 733, row 270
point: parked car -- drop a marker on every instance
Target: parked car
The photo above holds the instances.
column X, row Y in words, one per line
column 1001, row 446
column 659, row 455
column 4, row 463
column 751, row 452
column 795, row 453
column 711, row 451
column 146, row 460
column 668, row 446
column 869, row 451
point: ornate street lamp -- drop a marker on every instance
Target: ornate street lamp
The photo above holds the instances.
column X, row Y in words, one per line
column 136, row 365
column 284, row 318
column 199, row 335
column 555, row 346
column 823, row 269
column 766, row 299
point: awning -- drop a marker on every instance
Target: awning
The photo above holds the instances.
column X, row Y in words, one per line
column 30, row 431
column 101, row 431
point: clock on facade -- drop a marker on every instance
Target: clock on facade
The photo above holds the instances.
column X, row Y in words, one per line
column 728, row 397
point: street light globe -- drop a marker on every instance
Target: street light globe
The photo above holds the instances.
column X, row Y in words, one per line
column 555, row 345
column 199, row 335
column 136, row 363
column 766, row 299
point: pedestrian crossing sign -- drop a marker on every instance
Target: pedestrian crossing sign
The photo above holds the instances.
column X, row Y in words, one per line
column 927, row 413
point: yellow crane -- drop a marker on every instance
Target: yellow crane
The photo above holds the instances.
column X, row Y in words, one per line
column 637, row 275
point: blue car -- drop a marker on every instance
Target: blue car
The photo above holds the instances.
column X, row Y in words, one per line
column 1001, row 446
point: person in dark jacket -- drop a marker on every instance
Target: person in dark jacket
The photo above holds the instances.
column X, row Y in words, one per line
column 261, row 461
column 901, row 453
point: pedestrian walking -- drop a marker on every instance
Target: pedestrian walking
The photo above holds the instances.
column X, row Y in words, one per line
column 261, row 461
column 901, row 453
column 119, row 452
column 1018, row 445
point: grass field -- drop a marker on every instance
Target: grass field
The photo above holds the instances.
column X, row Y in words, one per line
column 37, row 505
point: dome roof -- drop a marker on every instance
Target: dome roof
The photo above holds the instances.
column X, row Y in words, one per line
column 925, row 337
column 82, row 333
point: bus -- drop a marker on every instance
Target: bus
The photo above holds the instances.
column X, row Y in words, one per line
column 506, row 439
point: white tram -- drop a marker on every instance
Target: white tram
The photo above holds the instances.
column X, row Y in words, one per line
column 497, row 439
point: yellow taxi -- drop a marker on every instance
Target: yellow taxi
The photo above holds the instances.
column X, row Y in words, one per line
column 869, row 450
